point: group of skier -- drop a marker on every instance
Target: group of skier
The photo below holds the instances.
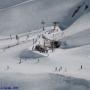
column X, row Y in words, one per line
column 60, row 68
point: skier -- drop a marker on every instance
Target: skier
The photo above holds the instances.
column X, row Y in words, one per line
column 17, row 38
column 81, row 66
column 20, row 61
column 10, row 36
column 38, row 60
column 56, row 69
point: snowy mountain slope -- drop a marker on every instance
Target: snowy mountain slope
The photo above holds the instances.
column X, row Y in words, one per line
column 81, row 24
column 16, row 19
column 8, row 3
column 79, row 39
column 67, row 58
column 83, row 51
column 28, row 16
column 79, row 33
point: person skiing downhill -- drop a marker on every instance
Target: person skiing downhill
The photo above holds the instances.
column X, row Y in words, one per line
column 81, row 67
column 56, row 69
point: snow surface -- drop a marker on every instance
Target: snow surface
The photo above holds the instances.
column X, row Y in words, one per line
column 69, row 59
column 39, row 72
column 66, row 58
column 9, row 3
column 43, row 82
column 28, row 16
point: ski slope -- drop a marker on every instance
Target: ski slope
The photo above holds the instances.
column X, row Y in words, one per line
column 29, row 70
column 67, row 58
column 42, row 74
column 79, row 39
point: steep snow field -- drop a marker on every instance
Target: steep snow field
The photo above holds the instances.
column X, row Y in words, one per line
column 79, row 39
column 79, row 33
column 81, row 24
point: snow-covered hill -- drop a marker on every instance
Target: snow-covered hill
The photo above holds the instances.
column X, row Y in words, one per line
column 76, row 40
column 78, row 34
column 32, row 70
column 28, row 16
column 9, row 3
column 82, row 24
